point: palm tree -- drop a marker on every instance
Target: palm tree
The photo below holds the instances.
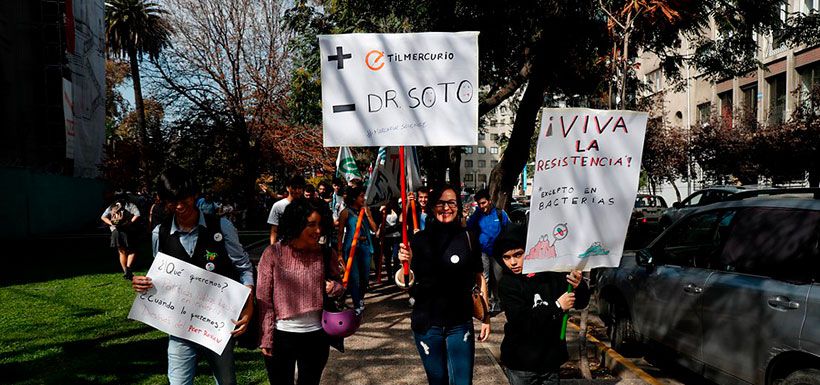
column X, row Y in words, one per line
column 135, row 28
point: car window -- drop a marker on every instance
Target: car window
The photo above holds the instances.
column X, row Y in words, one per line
column 779, row 243
column 662, row 202
column 695, row 241
column 693, row 200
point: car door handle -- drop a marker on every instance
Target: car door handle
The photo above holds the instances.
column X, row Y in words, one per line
column 691, row 288
column 783, row 303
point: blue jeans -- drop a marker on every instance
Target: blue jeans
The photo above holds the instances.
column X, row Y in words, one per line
column 448, row 354
column 359, row 272
column 520, row 377
column 182, row 356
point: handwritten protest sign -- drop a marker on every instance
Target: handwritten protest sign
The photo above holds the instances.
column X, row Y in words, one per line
column 190, row 302
column 400, row 89
column 586, row 177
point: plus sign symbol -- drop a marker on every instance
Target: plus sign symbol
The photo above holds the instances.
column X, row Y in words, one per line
column 339, row 57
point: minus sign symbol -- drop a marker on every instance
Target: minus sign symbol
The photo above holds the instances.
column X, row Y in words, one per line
column 344, row 108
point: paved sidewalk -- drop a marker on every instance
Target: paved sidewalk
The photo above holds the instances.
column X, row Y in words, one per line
column 383, row 352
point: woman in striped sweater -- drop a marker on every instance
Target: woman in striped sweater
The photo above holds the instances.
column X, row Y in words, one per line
column 291, row 283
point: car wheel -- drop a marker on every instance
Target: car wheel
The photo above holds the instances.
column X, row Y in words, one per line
column 803, row 377
column 621, row 333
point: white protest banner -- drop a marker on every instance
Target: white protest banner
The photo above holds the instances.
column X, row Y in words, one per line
column 586, row 176
column 400, row 89
column 190, row 302
column 383, row 183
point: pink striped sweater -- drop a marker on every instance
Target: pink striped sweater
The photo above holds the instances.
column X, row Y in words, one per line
column 290, row 282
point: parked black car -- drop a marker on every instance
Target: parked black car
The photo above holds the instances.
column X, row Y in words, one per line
column 732, row 288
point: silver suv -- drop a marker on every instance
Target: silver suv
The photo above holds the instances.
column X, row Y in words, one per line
column 732, row 287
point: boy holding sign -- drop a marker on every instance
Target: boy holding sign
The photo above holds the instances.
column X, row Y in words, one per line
column 211, row 243
column 535, row 304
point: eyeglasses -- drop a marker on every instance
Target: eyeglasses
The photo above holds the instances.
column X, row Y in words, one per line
column 451, row 204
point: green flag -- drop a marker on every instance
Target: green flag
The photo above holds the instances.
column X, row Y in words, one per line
column 346, row 166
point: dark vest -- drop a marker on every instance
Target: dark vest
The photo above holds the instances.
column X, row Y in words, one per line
column 204, row 249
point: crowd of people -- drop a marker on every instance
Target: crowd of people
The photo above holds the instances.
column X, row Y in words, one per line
column 315, row 231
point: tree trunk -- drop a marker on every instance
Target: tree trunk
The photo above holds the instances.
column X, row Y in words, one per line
column 505, row 174
column 674, row 186
column 145, row 146
column 625, row 73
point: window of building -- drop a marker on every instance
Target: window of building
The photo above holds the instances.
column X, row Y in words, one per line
column 493, row 163
column 482, row 150
column 810, row 5
column 704, row 112
column 654, row 80
column 494, row 137
column 726, row 107
column 468, row 150
column 503, row 109
column 809, row 77
column 482, row 163
column 468, row 163
column 493, row 150
column 777, row 99
column 482, row 136
column 468, row 177
column 778, row 33
column 750, row 99
column 482, row 177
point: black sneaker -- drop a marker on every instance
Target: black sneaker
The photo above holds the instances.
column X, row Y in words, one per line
column 128, row 275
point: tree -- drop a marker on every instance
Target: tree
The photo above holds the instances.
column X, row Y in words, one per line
column 665, row 149
column 229, row 67
column 135, row 28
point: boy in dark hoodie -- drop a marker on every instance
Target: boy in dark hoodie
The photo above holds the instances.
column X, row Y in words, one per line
column 534, row 304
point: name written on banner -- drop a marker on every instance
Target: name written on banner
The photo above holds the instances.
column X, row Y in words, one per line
column 190, row 302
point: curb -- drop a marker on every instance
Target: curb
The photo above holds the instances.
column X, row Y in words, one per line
column 485, row 347
column 619, row 365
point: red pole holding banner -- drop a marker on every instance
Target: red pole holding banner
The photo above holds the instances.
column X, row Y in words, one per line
column 353, row 247
column 405, row 265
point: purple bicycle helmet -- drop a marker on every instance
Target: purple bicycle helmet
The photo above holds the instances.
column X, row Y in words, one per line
column 340, row 324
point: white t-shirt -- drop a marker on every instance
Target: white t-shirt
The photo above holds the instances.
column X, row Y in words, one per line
column 302, row 323
column 277, row 210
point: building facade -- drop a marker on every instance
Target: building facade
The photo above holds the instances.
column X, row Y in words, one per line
column 771, row 95
column 477, row 162
column 52, row 103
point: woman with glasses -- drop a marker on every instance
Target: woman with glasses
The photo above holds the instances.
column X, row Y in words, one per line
column 446, row 261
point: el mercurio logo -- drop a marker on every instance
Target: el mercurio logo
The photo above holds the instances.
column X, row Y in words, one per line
column 376, row 59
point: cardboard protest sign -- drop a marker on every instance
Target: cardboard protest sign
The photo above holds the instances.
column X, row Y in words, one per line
column 400, row 89
column 586, row 176
column 190, row 302
column 383, row 183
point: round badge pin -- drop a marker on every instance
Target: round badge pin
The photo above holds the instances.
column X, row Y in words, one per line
column 210, row 266
column 218, row 237
column 454, row 259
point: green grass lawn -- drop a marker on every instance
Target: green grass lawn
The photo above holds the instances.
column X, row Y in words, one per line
column 70, row 327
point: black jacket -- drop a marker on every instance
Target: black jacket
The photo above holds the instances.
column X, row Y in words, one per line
column 446, row 261
column 532, row 333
